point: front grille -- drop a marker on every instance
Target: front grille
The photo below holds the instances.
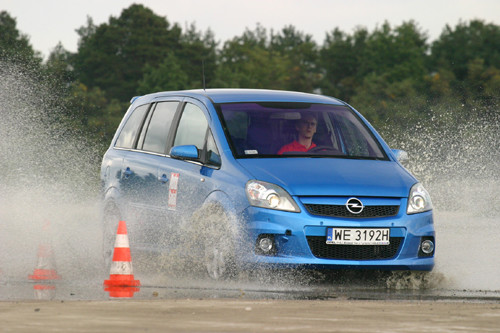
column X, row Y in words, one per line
column 320, row 249
column 341, row 211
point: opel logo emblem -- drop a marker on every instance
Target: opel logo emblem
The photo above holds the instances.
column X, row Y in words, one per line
column 354, row 205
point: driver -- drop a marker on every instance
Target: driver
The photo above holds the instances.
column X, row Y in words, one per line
column 306, row 128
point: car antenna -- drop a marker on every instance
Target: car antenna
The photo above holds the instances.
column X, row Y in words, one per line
column 203, row 72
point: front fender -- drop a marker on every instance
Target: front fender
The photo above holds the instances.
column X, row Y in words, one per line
column 218, row 202
column 232, row 205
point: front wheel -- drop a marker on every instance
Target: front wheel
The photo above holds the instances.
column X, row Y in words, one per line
column 218, row 259
column 218, row 248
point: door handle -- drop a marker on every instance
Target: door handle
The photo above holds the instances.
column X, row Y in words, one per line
column 127, row 173
column 163, row 178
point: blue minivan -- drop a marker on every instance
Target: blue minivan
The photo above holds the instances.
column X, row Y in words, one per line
column 240, row 178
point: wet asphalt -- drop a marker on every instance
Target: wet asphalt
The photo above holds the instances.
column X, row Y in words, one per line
column 251, row 286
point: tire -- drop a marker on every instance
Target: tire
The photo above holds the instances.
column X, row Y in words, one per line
column 416, row 280
column 110, row 220
column 217, row 242
column 218, row 260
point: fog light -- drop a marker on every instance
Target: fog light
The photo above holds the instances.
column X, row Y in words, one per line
column 266, row 244
column 427, row 246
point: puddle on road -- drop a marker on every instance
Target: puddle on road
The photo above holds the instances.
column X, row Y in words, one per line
column 241, row 289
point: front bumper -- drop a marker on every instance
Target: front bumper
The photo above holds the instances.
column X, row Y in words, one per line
column 300, row 240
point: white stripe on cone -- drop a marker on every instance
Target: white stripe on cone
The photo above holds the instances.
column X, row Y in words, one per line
column 121, row 241
column 121, row 268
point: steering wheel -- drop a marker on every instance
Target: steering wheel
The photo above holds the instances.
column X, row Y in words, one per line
column 328, row 149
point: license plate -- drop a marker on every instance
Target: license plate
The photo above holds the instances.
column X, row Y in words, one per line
column 358, row 236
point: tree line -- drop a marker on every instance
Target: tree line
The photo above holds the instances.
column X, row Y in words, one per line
column 392, row 74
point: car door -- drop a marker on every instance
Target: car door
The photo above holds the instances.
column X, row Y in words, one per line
column 132, row 176
column 190, row 181
column 144, row 189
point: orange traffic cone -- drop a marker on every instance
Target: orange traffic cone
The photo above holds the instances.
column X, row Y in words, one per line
column 46, row 266
column 122, row 292
column 121, row 273
column 44, row 291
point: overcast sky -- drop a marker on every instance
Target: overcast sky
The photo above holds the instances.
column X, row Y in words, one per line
column 48, row 22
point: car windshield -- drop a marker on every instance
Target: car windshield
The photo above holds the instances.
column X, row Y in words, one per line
column 276, row 129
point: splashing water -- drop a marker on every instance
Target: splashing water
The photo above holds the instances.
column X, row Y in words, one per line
column 50, row 174
column 48, row 177
column 458, row 161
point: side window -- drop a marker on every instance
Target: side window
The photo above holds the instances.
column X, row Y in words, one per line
column 213, row 156
column 192, row 127
column 357, row 140
column 325, row 133
column 237, row 123
column 155, row 139
column 127, row 136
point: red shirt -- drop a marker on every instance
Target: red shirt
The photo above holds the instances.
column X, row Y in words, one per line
column 295, row 146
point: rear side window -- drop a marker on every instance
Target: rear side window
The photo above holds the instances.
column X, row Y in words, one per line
column 192, row 127
column 128, row 134
column 159, row 126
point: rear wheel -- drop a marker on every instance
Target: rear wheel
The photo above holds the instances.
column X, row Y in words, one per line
column 110, row 220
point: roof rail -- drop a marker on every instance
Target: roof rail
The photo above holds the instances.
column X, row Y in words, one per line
column 133, row 99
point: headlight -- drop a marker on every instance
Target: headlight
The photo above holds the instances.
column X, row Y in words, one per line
column 267, row 195
column 419, row 200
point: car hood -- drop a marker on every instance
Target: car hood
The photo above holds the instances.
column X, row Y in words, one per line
column 332, row 176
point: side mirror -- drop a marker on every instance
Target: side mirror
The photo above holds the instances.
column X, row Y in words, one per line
column 188, row 152
column 401, row 155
